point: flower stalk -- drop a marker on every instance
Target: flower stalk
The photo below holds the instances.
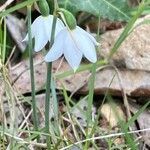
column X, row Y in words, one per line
column 35, row 118
column 48, row 86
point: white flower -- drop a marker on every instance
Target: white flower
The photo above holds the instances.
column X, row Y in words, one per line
column 41, row 30
column 73, row 44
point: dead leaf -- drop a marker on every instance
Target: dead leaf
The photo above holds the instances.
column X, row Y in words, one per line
column 17, row 30
column 21, row 75
column 133, row 82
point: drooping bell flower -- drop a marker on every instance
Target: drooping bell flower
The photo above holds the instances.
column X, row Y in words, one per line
column 73, row 42
column 41, row 28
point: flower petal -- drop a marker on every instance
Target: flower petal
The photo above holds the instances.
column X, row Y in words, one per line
column 59, row 26
column 41, row 31
column 36, row 25
column 57, row 49
column 48, row 25
column 40, row 40
column 71, row 53
column 47, row 21
column 85, row 45
column 38, row 32
column 88, row 35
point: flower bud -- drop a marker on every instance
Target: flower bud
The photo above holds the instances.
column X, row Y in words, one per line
column 69, row 18
column 44, row 8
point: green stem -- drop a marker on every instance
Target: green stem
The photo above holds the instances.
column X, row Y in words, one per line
column 48, row 85
column 127, row 30
column 4, row 43
column 90, row 102
column 35, row 118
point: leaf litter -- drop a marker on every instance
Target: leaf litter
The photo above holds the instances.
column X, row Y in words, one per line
column 131, row 60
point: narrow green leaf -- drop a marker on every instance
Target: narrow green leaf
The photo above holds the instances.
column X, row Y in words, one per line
column 137, row 114
column 80, row 69
column 127, row 29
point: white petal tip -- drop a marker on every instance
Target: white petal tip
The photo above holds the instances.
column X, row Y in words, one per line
column 25, row 39
column 98, row 44
column 36, row 50
column 93, row 60
column 46, row 59
column 75, row 69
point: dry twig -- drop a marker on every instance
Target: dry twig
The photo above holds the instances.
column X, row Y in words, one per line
column 7, row 3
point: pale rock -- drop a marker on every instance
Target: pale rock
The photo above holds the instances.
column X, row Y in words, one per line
column 134, row 53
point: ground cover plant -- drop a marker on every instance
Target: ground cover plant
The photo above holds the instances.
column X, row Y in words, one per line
column 74, row 74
